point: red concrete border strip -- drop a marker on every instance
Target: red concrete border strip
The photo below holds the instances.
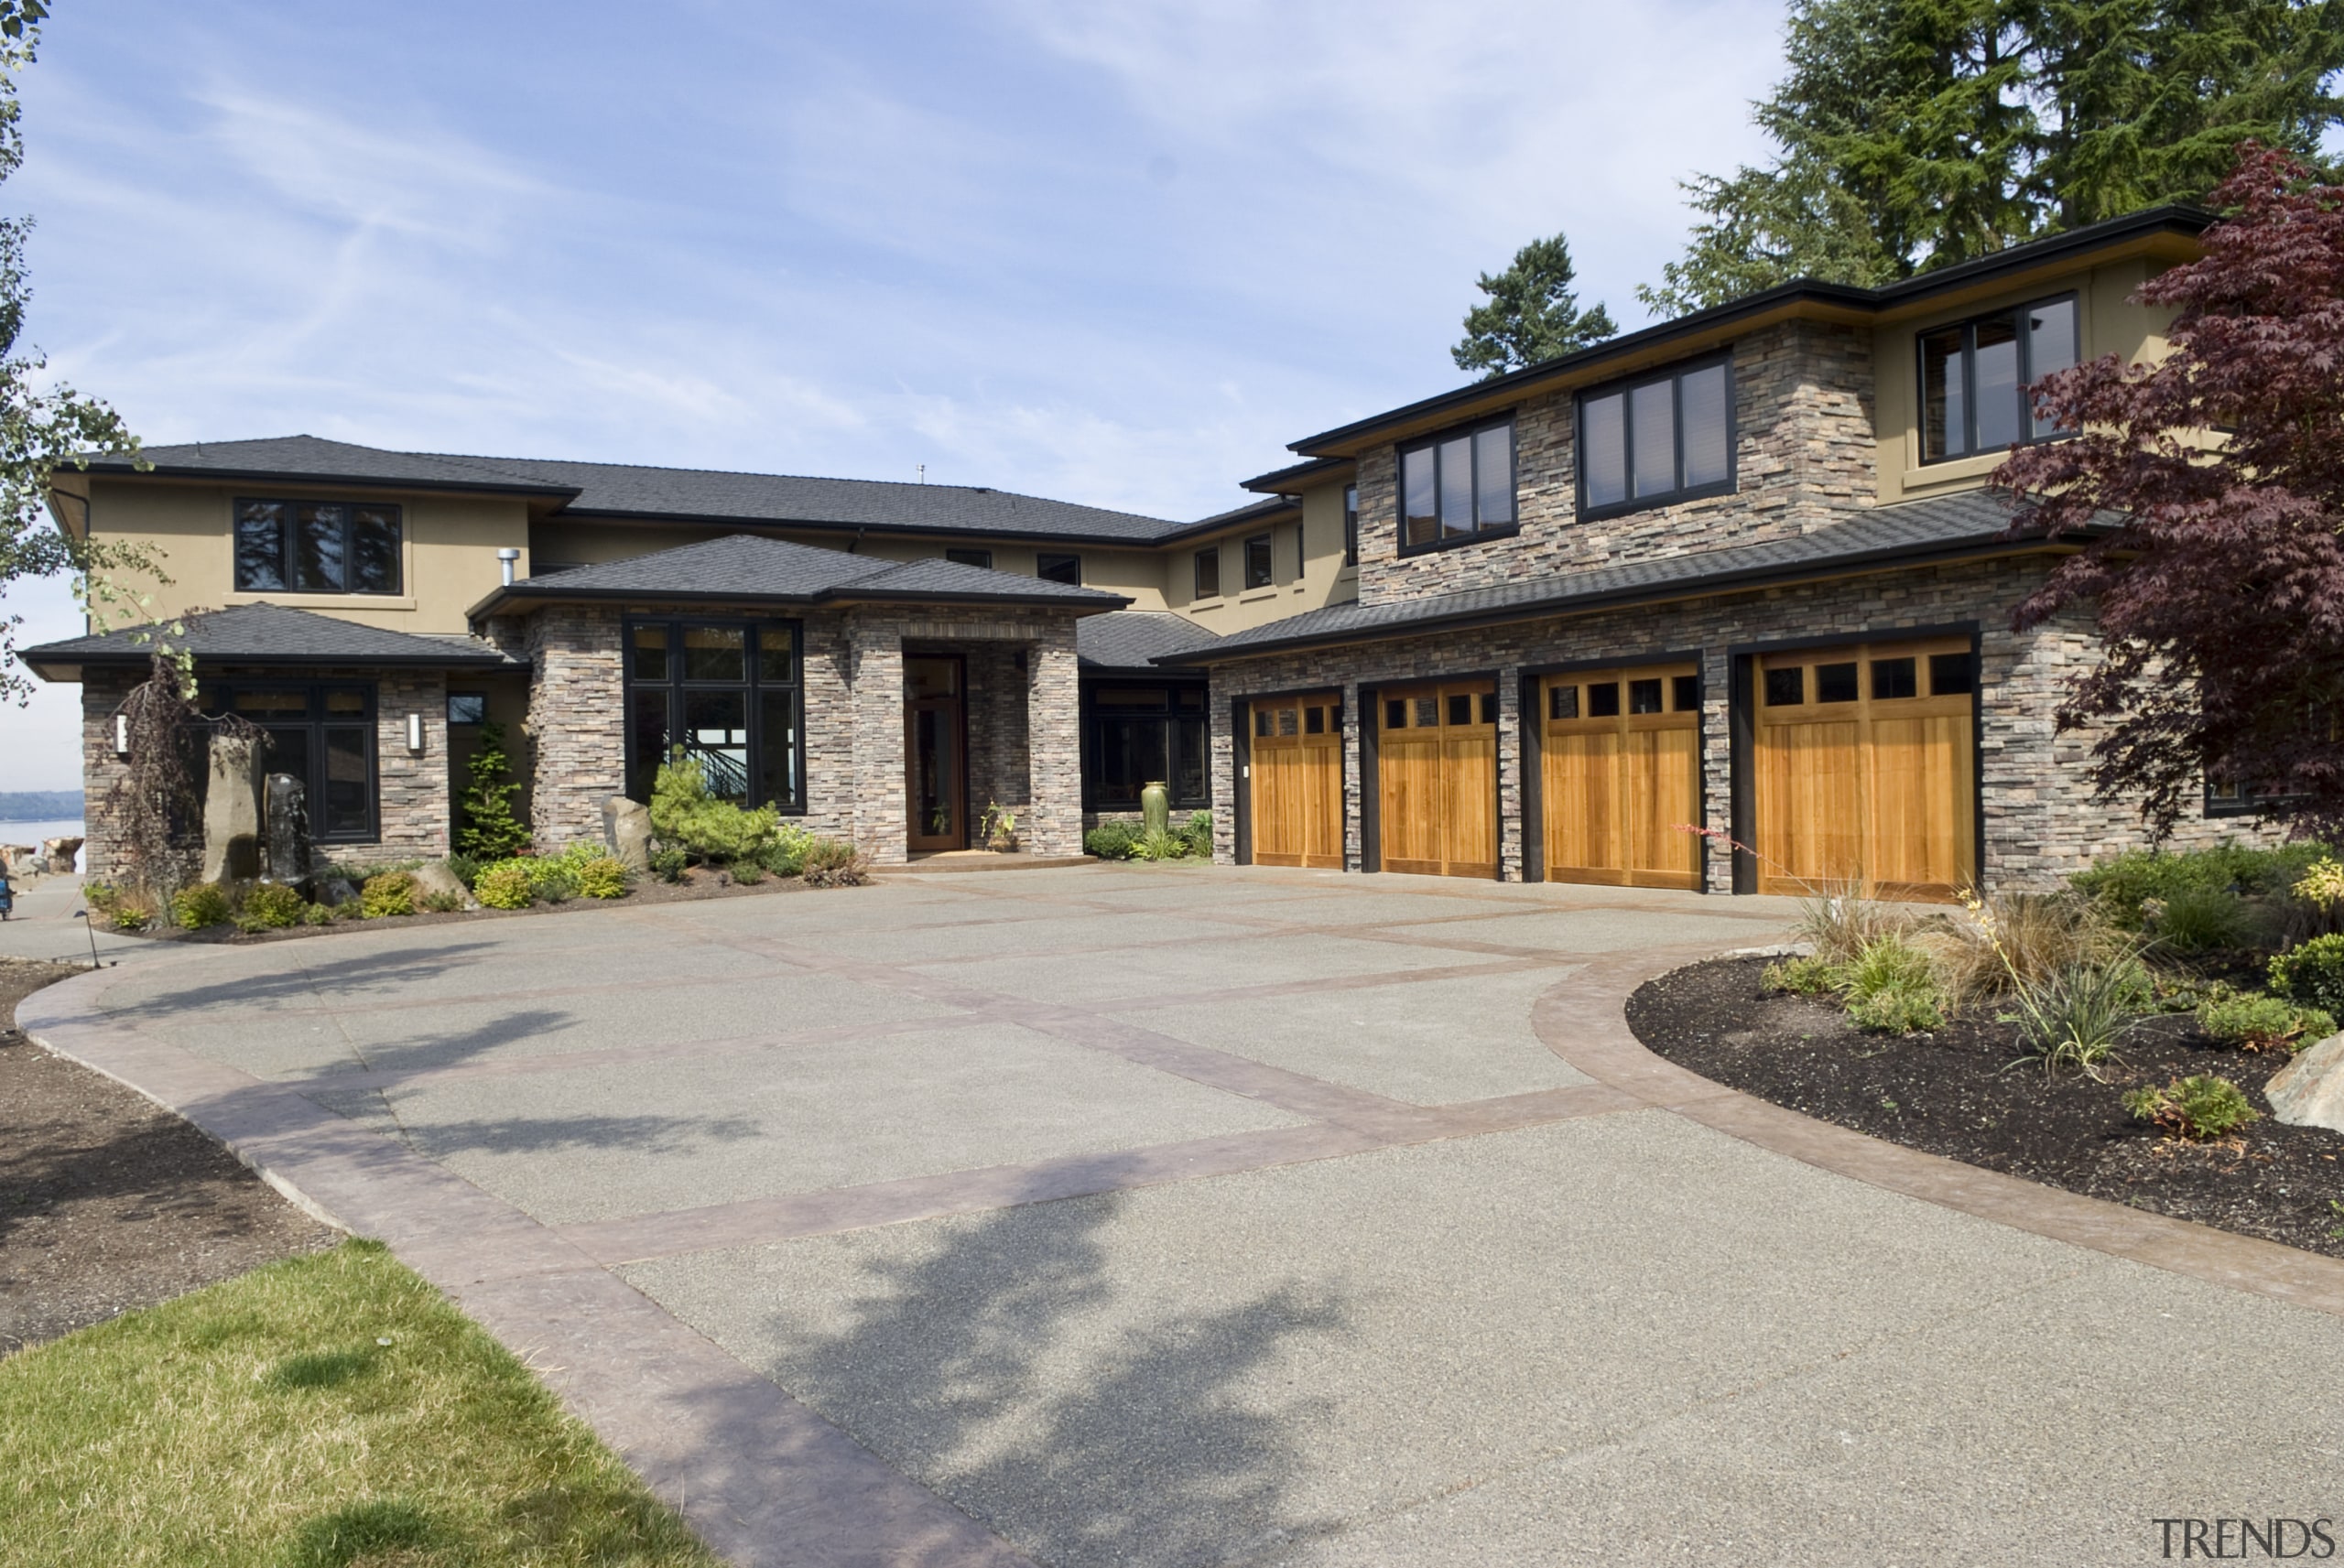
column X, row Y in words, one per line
column 1583, row 1021
column 764, row 1481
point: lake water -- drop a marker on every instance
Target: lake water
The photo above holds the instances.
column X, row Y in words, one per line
column 34, row 832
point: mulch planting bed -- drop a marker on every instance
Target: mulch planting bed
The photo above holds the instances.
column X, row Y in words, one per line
column 108, row 1202
column 1954, row 1092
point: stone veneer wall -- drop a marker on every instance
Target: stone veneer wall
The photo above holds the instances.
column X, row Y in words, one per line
column 853, row 696
column 412, row 803
column 2041, row 821
column 1804, row 456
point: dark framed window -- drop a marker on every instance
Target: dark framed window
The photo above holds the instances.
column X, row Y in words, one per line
column 468, row 707
column 1260, row 571
column 1052, row 566
column 729, row 694
column 1974, row 376
column 1301, row 552
column 317, row 547
column 1457, row 488
column 1208, row 572
column 1351, row 524
column 971, row 558
column 1136, row 734
column 1657, row 439
column 322, row 732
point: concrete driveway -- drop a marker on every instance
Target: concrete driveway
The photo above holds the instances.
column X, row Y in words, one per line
column 1174, row 1215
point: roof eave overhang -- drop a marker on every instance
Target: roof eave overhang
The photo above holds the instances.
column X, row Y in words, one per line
column 1857, row 564
column 496, row 602
column 830, row 525
column 1251, row 517
column 1296, row 477
column 345, row 481
column 63, row 671
column 2169, row 231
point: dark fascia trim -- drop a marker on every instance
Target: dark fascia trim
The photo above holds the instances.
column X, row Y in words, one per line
column 1179, row 674
column 347, row 482
column 1287, row 481
column 1276, row 509
column 1865, row 563
column 845, row 594
column 826, row 526
column 2174, row 219
column 40, row 666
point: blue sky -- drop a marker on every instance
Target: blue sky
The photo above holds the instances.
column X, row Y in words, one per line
column 1119, row 254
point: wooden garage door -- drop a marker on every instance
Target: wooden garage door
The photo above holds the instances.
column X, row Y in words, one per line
column 1866, row 769
column 1620, row 771
column 1438, row 766
column 1297, row 764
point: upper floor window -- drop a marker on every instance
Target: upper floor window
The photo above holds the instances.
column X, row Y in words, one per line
column 317, row 547
column 1208, row 572
column 1974, row 377
column 1259, row 571
column 1456, row 487
column 1666, row 437
column 1052, row 567
column 971, row 558
column 1351, row 524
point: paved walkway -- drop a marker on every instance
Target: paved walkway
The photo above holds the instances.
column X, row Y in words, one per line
column 1174, row 1215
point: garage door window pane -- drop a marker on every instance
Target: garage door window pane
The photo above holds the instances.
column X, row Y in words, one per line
column 1427, row 713
column 1785, row 688
column 1892, row 678
column 1395, row 715
column 1603, row 701
column 1952, row 675
column 1285, row 721
column 1835, row 683
column 1688, row 693
column 1562, row 702
column 1643, row 695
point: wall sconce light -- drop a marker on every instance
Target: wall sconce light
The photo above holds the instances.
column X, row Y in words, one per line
column 122, row 734
column 415, row 734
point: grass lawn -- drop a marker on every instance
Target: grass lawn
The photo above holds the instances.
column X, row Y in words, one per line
column 326, row 1411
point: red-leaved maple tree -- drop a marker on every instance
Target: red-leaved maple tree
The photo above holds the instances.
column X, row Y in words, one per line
column 2217, row 584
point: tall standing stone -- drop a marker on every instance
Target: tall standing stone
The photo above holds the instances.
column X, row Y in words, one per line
column 231, row 810
column 289, row 831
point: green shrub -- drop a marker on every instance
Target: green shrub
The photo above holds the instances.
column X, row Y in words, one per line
column 2313, row 974
column 271, row 906
column 668, row 863
column 391, row 893
column 442, row 901
column 2124, row 884
column 1809, row 976
column 1889, row 986
column 2200, row 1107
column 2197, row 919
column 1198, row 831
column 835, row 864
column 785, row 854
column 103, row 898
column 129, row 916
column 1899, row 1006
column 316, row 915
column 504, row 885
column 464, row 868
column 683, row 813
column 2074, row 1016
column 1159, row 846
column 204, row 904
column 1110, row 841
column 603, row 877
column 2262, row 1023
column 748, row 873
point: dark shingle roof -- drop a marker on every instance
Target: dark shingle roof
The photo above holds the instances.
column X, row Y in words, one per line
column 697, row 495
column 754, row 566
column 268, row 634
column 1133, row 639
column 1911, row 532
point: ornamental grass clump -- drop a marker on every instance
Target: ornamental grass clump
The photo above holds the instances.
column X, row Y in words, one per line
column 2254, row 1022
column 1890, row 988
column 1837, row 922
column 2074, row 1015
column 2196, row 1109
column 2013, row 938
column 391, row 893
column 835, row 864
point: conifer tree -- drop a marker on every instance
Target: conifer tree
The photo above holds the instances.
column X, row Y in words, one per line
column 1532, row 314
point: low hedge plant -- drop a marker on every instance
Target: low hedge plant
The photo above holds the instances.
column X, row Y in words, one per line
column 2196, row 1109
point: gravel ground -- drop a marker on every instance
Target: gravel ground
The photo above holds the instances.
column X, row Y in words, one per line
column 1955, row 1092
column 108, row 1203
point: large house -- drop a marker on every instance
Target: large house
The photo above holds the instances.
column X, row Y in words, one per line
column 1737, row 571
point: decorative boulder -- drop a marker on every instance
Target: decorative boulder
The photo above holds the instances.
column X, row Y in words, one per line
column 232, row 800
column 58, row 854
column 2309, row 1090
column 16, row 860
column 626, row 832
column 434, row 877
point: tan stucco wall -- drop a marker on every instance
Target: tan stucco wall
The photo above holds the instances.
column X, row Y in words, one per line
column 1323, row 579
column 2107, row 322
column 449, row 545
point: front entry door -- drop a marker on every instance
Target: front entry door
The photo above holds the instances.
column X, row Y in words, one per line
column 935, row 753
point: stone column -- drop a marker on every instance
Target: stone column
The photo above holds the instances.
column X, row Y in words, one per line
column 577, row 722
column 875, row 678
column 1509, row 763
column 1054, row 732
